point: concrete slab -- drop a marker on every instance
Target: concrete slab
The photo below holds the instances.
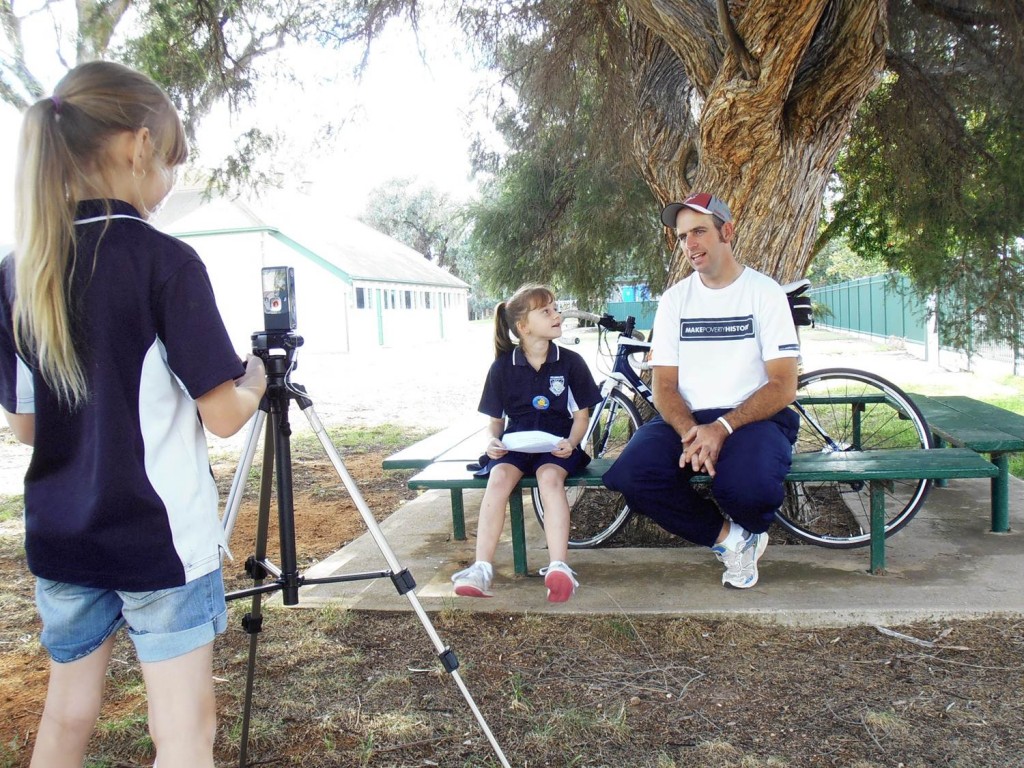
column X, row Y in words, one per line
column 944, row 564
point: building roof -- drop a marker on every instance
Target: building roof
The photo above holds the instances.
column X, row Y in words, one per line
column 307, row 224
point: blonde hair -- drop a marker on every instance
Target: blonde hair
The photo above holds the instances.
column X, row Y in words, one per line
column 509, row 313
column 64, row 142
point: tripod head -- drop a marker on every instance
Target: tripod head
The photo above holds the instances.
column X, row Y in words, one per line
column 277, row 350
column 263, row 342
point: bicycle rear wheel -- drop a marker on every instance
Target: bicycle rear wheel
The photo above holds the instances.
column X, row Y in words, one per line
column 595, row 514
column 843, row 409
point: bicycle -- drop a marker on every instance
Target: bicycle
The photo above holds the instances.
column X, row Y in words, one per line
column 841, row 409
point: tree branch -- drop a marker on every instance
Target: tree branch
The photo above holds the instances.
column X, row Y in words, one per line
column 751, row 67
column 14, row 63
column 960, row 16
column 843, row 63
column 690, row 29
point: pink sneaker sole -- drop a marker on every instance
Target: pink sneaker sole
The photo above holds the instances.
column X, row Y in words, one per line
column 560, row 586
column 466, row 590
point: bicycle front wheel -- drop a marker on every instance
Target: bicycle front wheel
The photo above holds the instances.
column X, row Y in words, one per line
column 841, row 410
column 595, row 514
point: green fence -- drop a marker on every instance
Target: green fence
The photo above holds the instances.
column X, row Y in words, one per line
column 879, row 306
column 876, row 305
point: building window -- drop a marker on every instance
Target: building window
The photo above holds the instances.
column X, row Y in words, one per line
column 408, row 299
column 360, row 298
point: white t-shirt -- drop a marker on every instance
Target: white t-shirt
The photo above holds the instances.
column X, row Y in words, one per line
column 720, row 339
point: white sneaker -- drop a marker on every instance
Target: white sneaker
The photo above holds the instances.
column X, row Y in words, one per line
column 741, row 565
column 560, row 580
column 474, row 581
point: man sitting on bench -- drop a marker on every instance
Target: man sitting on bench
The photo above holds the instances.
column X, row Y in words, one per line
column 724, row 357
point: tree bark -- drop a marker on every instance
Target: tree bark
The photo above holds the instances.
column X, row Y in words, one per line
column 766, row 145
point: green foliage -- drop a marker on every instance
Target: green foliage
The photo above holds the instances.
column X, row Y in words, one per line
column 567, row 204
column 933, row 172
column 425, row 219
column 836, row 262
column 572, row 223
column 431, row 222
column 202, row 53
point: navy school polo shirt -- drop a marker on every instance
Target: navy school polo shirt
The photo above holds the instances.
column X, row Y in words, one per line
column 544, row 399
column 119, row 492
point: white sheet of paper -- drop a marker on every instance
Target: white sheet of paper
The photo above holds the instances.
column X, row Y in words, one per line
column 533, row 441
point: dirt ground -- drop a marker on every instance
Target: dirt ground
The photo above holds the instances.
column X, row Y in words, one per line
column 366, row 689
column 335, row 688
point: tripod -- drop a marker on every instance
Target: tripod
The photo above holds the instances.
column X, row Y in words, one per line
column 277, row 350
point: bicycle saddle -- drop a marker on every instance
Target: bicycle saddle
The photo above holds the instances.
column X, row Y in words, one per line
column 796, row 287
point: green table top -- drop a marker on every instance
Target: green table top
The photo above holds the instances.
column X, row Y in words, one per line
column 971, row 423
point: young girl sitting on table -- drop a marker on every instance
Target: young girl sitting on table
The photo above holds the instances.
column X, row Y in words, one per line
column 532, row 385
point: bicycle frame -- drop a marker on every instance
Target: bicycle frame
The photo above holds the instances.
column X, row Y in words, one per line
column 621, row 376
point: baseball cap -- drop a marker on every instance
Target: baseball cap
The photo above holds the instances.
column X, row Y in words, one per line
column 702, row 202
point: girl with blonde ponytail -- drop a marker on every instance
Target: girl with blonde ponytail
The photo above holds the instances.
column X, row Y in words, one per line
column 112, row 359
column 533, row 385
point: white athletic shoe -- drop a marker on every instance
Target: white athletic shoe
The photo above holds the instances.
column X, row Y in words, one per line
column 741, row 565
column 560, row 581
column 474, row 581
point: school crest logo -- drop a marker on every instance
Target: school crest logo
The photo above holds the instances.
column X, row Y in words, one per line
column 556, row 384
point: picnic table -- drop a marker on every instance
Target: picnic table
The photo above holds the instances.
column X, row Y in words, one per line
column 981, row 427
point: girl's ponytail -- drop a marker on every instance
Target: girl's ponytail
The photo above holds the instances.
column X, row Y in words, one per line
column 44, row 233
column 502, row 342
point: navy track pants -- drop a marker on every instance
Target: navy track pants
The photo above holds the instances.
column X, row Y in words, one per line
column 749, row 483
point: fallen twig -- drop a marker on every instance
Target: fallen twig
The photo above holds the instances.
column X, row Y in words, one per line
column 412, row 744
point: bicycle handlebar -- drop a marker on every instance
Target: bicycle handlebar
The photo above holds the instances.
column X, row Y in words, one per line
column 606, row 321
column 625, row 327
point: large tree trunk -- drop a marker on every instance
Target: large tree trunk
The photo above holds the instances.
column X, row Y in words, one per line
column 775, row 95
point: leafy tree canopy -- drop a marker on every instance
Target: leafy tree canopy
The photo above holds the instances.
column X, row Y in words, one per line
column 427, row 220
column 932, row 176
column 567, row 204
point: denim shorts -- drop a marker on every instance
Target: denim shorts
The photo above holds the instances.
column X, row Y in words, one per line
column 162, row 624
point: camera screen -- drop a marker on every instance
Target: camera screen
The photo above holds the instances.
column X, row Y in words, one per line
column 279, row 298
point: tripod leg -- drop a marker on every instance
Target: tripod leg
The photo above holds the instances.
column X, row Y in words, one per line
column 252, row 622
column 290, row 578
column 234, row 500
column 402, row 579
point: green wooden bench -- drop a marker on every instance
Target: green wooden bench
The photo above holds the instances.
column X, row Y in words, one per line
column 462, row 442
column 983, row 428
column 466, row 438
column 875, row 467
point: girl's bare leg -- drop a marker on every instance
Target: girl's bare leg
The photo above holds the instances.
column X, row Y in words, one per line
column 551, row 482
column 500, row 482
column 182, row 708
column 73, row 699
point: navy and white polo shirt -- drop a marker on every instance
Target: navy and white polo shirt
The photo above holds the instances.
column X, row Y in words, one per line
column 544, row 399
column 119, row 493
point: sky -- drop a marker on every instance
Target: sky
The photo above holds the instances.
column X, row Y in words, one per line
column 407, row 118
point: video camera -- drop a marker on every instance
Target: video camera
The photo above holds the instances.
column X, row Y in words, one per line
column 279, row 321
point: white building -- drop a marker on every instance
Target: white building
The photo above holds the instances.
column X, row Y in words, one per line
column 355, row 287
